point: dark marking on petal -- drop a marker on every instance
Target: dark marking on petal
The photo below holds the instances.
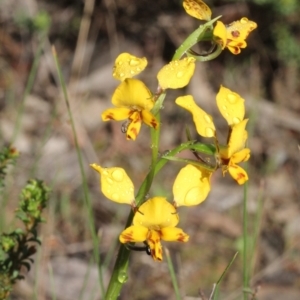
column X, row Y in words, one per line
column 110, row 116
column 235, row 33
column 127, row 237
column 160, row 252
column 240, row 176
column 154, row 123
column 181, row 237
column 236, row 50
column 133, row 131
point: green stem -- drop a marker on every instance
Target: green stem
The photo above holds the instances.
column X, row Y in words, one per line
column 155, row 134
column 159, row 104
column 119, row 275
column 256, row 229
column 245, row 243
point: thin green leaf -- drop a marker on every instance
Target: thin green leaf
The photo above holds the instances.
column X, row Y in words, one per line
column 216, row 287
column 172, row 273
column 191, row 162
column 194, row 38
column 209, row 149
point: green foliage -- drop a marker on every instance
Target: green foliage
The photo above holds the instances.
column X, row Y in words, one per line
column 284, row 28
column 8, row 156
column 286, row 44
column 18, row 246
column 39, row 23
column 33, row 200
column 284, row 7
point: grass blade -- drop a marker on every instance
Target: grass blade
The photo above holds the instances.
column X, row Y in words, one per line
column 86, row 194
column 172, row 273
column 215, row 291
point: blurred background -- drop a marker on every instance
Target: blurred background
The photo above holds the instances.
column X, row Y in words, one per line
column 88, row 35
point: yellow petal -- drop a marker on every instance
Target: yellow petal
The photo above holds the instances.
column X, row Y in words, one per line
column 127, row 66
column 235, row 47
column 154, row 244
column 191, row 186
column 177, row 73
column 203, row 121
column 170, row 234
column 239, row 30
column 133, row 234
column 231, row 106
column 238, row 173
column 116, row 114
column 221, row 33
column 237, row 138
column 133, row 93
column 197, row 9
column 156, row 213
column 240, row 156
column 149, row 119
column 115, row 184
column 135, row 126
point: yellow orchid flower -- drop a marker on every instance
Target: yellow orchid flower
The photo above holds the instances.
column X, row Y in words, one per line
column 233, row 36
column 154, row 220
column 176, row 74
column 127, row 66
column 235, row 153
column 115, row 184
column 191, row 186
column 197, row 9
column 133, row 101
column 232, row 108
